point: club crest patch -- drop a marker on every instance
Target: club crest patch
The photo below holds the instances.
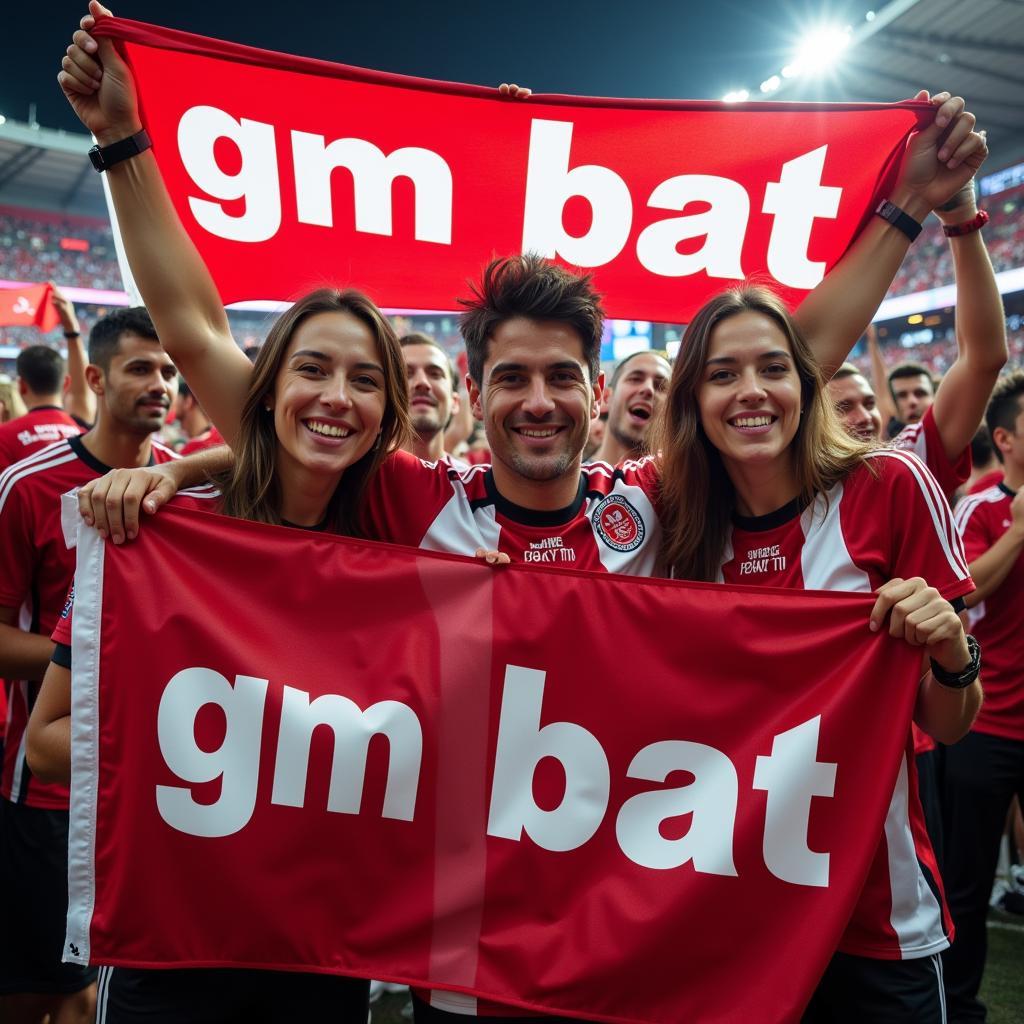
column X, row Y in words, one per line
column 618, row 524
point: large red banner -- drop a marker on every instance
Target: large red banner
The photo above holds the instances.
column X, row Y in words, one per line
column 539, row 786
column 290, row 173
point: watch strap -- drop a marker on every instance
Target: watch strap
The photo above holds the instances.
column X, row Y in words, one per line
column 960, row 680
column 979, row 220
column 104, row 157
column 899, row 219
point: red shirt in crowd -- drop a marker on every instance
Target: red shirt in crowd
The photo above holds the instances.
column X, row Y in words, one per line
column 36, row 429
column 864, row 532
column 37, row 572
column 997, row 622
column 922, row 438
column 209, row 438
column 985, row 481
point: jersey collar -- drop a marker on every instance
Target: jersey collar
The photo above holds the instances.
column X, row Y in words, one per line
column 769, row 521
column 75, row 444
column 1006, row 490
column 531, row 516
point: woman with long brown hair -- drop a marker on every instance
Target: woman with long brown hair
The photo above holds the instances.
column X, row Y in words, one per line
column 760, row 485
column 310, row 425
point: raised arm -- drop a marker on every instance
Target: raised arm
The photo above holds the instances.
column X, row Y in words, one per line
column 175, row 284
column 880, row 378
column 79, row 401
column 938, row 162
column 980, row 334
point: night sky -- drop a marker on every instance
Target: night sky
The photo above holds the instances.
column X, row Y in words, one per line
column 648, row 48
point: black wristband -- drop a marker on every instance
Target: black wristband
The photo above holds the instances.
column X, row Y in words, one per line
column 899, row 219
column 72, row 334
column 106, row 156
column 960, row 680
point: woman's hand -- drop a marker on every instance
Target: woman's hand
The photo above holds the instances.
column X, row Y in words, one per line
column 98, row 83
column 112, row 502
column 923, row 617
column 492, row 557
column 943, row 157
column 514, row 92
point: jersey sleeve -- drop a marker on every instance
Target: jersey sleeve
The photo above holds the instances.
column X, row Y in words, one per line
column 406, row 497
column 16, row 542
column 62, row 631
column 924, row 441
column 923, row 537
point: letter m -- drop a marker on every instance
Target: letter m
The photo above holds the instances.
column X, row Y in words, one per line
column 352, row 730
column 373, row 175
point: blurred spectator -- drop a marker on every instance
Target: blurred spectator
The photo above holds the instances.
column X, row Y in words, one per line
column 11, row 404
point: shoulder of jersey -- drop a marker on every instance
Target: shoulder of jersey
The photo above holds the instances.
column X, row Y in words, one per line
column 598, row 472
column 203, row 492
column 971, row 503
column 40, row 461
column 166, row 452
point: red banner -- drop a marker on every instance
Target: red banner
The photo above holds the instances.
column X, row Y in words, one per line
column 28, row 307
column 532, row 785
column 290, row 173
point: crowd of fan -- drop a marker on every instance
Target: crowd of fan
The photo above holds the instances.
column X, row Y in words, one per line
column 30, row 250
column 929, row 265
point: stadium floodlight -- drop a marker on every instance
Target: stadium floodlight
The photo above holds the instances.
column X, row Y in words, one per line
column 736, row 96
column 771, row 84
column 819, row 50
column 870, row 16
column 3, row 120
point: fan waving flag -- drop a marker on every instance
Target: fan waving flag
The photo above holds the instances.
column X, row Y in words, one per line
column 529, row 785
column 290, row 173
column 28, row 306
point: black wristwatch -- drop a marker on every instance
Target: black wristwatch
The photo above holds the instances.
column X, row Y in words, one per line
column 103, row 157
column 899, row 219
column 960, row 680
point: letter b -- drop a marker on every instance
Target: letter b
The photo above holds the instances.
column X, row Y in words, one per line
column 522, row 744
column 550, row 184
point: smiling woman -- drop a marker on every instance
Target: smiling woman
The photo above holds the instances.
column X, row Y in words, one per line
column 761, row 485
column 326, row 405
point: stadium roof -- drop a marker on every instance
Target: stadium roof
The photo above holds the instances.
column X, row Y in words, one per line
column 975, row 49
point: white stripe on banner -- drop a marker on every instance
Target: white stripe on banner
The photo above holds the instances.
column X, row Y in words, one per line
column 85, row 644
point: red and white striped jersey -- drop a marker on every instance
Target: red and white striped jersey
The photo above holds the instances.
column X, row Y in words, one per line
column 982, row 519
column 26, row 434
column 610, row 526
column 922, row 438
column 865, row 531
column 38, row 569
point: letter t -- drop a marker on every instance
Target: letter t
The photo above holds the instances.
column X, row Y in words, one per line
column 792, row 776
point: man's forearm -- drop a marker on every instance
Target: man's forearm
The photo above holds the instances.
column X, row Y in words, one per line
column 990, row 569
column 23, row 655
column 195, row 470
column 839, row 310
column 980, row 321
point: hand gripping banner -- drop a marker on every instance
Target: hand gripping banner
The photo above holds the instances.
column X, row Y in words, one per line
column 298, row 751
column 291, row 173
